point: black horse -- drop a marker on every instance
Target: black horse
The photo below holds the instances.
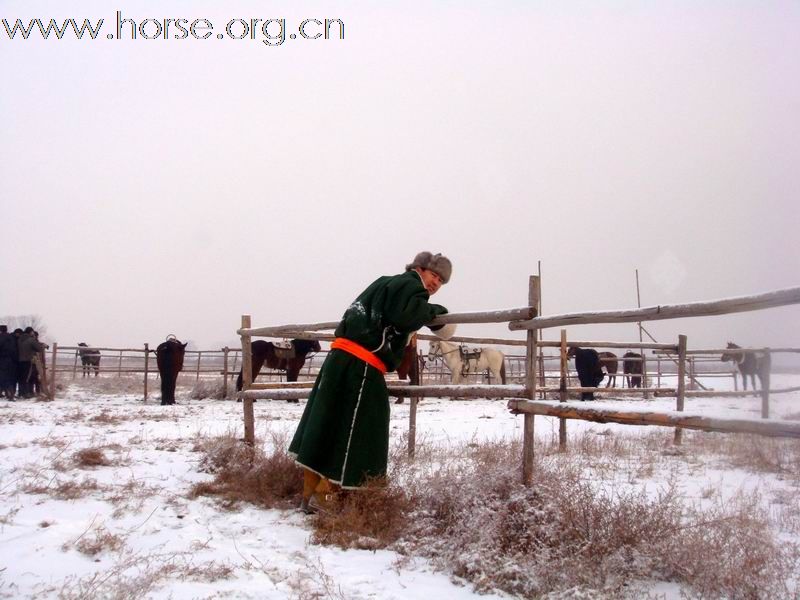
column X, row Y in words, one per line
column 750, row 363
column 590, row 372
column 169, row 358
column 90, row 359
column 632, row 368
column 291, row 360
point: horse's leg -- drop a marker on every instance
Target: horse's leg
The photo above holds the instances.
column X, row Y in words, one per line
column 292, row 371
column 744, row 381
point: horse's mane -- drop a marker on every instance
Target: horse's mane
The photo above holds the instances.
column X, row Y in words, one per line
column 306, row 346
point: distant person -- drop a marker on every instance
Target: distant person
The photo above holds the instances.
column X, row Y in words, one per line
column 28, row 347
column 8, row 363
column 342, row 440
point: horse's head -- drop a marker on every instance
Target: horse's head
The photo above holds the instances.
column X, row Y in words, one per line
column 305, row 346
column 728, row 356
column 434, row 350
column 573, row 350
column 82, row 344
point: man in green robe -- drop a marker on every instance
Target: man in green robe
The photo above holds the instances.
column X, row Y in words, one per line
column 343, row 435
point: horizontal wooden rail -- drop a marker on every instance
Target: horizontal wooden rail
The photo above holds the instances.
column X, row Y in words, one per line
column 281, row 385
column 733, row 351
column 737, row 393
column 473, row 340
column 490, row 316
column 636, row 390
column 766, row 427
column 632, row 345
column 141, row 350
column 772, row 299
column 430, row 391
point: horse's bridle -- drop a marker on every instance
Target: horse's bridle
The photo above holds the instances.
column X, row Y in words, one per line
column 442, row 352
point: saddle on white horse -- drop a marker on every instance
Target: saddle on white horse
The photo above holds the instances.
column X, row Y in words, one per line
column 470, row 356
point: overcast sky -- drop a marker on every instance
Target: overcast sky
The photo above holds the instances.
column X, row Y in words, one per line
column 152, row 187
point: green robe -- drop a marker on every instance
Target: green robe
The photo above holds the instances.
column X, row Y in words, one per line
column 343, row 434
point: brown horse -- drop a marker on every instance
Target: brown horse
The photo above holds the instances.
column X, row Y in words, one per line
column 265, row 352
column 632, row 367
column 169, row 358
column 750, row 363
column 409, row 367
column 610, row 362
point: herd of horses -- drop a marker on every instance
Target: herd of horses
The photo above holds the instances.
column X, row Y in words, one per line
column 592, row 366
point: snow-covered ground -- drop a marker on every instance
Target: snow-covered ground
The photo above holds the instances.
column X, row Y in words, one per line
column 154, row 538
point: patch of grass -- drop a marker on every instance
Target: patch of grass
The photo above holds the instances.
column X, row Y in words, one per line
column 262, row 477
column 91, row 457
column 97, row 541
column 106, row 418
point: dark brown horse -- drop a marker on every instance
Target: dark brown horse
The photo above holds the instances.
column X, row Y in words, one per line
column 90, row 359
column 291, row 361
column 611, row 363
column 409, row 368
column 632, row 368
column 750, row 363
column 169, row 358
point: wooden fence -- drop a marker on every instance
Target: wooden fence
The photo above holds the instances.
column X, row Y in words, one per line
column 523, row 396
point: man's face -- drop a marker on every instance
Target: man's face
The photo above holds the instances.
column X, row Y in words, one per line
column 430, row 280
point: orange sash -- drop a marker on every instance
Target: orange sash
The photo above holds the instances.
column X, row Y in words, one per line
column 360, row 352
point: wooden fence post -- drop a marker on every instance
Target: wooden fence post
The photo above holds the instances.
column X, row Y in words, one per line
column 645, row 380
column 146, row 368
column 53, row 371
column 412, row 426
column 119, row 366
column 658, row 366
column 681, row 383
column 765, row 392
column 247, row 380
column 75, row 365
column 530, row 384
column 199, row 356
column 413, row 376
column 225, row 372
column 562, row 423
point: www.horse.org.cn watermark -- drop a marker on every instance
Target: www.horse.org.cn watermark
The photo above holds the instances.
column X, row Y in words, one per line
column 271, row 32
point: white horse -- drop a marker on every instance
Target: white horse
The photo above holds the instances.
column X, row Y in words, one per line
column 461, row 365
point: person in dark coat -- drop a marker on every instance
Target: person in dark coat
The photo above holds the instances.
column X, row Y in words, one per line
column 8, row 363
column 28, row 347
column 590, row 372
column 342, row 439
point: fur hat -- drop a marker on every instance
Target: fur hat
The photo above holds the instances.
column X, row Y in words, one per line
column 437, row 263
column 444, row 332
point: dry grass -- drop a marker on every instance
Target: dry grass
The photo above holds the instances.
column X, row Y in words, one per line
column 569, row 533
column 211, row 388
column 91, row 457
column 136, row 576
column 96, row 541
column 267, row 478
column 106, row 418
column 368, row 519
column 111, row 384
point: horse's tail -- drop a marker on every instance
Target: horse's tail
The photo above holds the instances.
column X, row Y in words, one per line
column 503, row 372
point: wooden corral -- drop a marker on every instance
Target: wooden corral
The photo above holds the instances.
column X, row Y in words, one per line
column 523, row 396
